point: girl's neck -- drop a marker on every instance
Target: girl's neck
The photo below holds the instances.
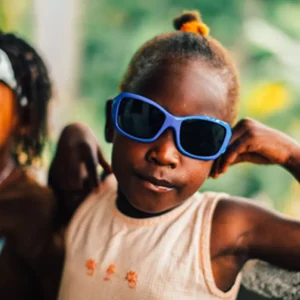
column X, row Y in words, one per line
column 126, row 208
column 7, row 163
column 6, row 153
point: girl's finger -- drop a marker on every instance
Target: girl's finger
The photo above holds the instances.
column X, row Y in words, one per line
column 239, row 130
column 90, row 161
column 102, row 161
column 67, row 173
column 240, row 146
column 252, row 158
column 215, row 168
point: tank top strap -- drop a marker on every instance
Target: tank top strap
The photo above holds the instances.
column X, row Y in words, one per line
column 89, row 207
column 211, row 201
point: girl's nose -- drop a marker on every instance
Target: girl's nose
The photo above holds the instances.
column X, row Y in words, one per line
column 163, row 151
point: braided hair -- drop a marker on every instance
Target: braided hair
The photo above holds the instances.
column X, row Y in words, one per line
column 33, row 87
column 179, row 46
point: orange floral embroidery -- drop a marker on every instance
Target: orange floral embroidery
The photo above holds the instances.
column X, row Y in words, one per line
column 132, row 277
column 110, row 271
column 91, row 266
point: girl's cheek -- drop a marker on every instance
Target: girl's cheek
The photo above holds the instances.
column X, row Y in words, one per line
column 7, row 113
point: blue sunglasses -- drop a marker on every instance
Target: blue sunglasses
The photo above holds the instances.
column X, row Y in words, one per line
column 143, row 120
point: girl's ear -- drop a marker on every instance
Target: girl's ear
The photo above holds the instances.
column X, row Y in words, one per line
column 109, row 126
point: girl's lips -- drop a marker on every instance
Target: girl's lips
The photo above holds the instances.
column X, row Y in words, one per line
column 155, row 188
column 156, row 185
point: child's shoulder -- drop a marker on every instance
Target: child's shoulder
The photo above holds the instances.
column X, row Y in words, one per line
column 25, row 181
column 25, row 194
column 233, row 211
column 234, row 207
column 234, row 220
column 35, row 189
column 27, row 213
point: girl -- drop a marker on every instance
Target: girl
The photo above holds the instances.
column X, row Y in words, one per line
column 26, row 208
column 31, row 254
column 147, row 233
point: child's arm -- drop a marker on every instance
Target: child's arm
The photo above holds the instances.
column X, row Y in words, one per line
column 73, row 172
column 26, row 221
column 256, row 143
column 257, row 233
column 252, row 231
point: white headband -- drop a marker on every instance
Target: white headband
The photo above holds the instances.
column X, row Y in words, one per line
column 7, row 74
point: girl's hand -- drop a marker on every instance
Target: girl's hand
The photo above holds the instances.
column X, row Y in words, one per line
column 256, row 143
column 77, row 158
column 74, row 170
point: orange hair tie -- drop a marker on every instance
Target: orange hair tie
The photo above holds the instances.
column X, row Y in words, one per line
column 195, row 27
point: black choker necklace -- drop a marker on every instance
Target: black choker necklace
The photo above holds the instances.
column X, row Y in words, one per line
column 126, row 208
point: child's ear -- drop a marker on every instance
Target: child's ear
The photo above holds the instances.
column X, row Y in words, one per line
column 109, row 126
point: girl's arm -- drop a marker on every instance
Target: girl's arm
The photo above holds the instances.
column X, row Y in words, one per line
column 261, row 233
column 256, row 143
column 74, row 170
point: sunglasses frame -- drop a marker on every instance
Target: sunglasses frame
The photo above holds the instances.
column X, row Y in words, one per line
column 171, row 121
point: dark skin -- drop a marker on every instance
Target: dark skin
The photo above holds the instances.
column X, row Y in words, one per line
column 245, row 230
column 32, row 257
column 73, row 173
column 31, row 220
column 251, row 232
column 240, row 230
column 161, row 159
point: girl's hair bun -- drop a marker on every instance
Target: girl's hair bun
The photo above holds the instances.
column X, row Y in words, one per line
column 185, row 17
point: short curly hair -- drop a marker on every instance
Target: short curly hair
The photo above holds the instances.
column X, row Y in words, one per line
column 33, row 80
column 181, row 46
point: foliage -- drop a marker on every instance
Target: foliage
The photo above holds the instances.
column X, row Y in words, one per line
column 15, row 16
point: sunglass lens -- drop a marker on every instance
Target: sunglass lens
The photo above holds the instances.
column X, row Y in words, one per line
column 201, row 137
column 139, row 119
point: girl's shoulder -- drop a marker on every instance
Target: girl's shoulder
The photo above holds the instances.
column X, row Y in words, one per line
column 236, row 218
column 25, row 183
column 240, row 207
column 235, row 212
column 25, row 195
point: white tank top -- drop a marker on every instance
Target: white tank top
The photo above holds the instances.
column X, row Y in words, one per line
column 111, row 256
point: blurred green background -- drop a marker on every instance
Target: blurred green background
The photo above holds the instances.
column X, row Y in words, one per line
column 88, row 45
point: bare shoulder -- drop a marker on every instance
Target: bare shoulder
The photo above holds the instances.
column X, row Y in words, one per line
column 27, row 213
column 25, row 193
column 35, row 194
column 234, row 221
column 243, row 230
column 238, row 224
column 236, row 209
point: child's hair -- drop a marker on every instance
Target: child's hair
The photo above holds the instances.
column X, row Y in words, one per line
column 33, row 87
column 190, row 41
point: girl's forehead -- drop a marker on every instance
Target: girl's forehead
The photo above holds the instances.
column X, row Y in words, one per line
column 190, row 88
